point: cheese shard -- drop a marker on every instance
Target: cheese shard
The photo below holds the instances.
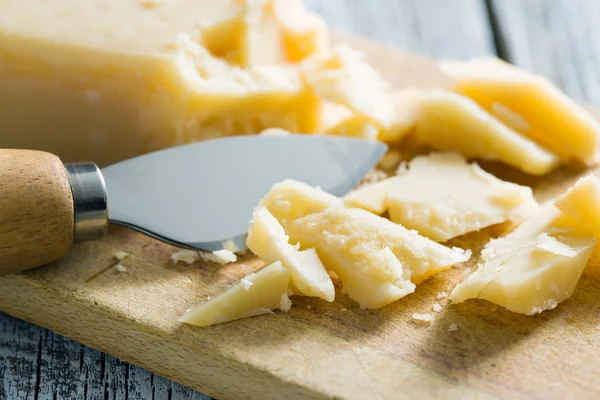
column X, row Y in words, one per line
column 265, row 32
column 378, row 261
column 442, row 196
column 452, row 122
column 344, row 77
column 289, row 200
column 267, row 239
column 407, row 109
column 556, row 121
column 257, row 293
column 108, row 80
column 370, row 197
column 533, row 268
column 582, row 203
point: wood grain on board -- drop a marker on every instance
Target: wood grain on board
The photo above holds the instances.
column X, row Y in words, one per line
column 36, row 363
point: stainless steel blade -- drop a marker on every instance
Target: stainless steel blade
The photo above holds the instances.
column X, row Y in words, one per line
column 201, row 195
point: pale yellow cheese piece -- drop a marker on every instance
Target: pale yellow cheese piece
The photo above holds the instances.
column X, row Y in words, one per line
column 289, row 200
column 265, row 32
column 407, row 108
column 442, row 196
column 452, row 122
column 370, row 197
column 108, row 80
column 533, row 268
column 342, row 76
column 255, row 294
column 356, row 126
column 378, row 261
column 582, row 203
column 545, row 114
column 267, row 239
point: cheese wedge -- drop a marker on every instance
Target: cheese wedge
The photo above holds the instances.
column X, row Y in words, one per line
column 267, row 239
column 344, row 77
column 378, row 261
column 370, row 197
column 290, row 200
column 442, row 196
column 452, row 122
column 256, row 294
column 582, row 203
column 265, row 32
column 533, row 268
column 556, row 121
column 108, row 80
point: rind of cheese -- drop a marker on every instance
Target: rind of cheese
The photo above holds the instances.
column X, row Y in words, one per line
column 582, row 203
column 255, row 294
column 267, row 239
column 533, row 268
column 289, row 200
column 378, row 261
column 344, row 77
column 452, row 122
column 442, row 196
column 370, row 197
column 556, row 121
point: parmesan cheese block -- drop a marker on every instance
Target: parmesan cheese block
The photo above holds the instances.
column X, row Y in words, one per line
column 370, row 197
column 530, row 104
column 582, row 203
column 344, row 77
column 533, row 268
column 107, row 80
column 378, row 261
column 442, row 196
column 257, row 293
column 267, row 239
column 289, row 200
column 452, row 122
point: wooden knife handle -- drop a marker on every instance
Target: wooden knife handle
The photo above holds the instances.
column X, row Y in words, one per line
column 36, row 210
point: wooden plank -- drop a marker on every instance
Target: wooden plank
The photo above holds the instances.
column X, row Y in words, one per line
column 318, row 352
column 559, row 39
column 448, row 28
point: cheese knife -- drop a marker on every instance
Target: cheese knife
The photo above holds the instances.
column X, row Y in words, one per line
column 198, row 196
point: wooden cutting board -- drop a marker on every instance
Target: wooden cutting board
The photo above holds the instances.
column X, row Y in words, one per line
column 318, row 349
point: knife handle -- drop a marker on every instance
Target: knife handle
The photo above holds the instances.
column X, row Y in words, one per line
column 45, row 206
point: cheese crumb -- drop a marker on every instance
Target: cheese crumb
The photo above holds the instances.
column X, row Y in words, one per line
column 452, row 327
column 425, row 318
column 120, row 267
column 121, row 255
column 436, row 307
column 247, row 283
column 343, row 309
column 220, row 257
column 285, row 302
column 309, row 306
column 442, row 295
column 187, row 256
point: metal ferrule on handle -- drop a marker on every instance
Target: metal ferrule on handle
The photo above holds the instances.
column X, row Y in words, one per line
column 90, row 201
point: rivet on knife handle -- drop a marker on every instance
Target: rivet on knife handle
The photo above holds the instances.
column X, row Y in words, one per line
column 39, row 218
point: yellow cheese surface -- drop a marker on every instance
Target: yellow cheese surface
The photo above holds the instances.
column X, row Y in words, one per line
column 547, row 115
column 371, row 197
column 267, row 239
column 107, row 79
column 451, row 122
column 377, row 260
column 533, row 268
column 442, row 196
column 257, row 293
column 582, row 203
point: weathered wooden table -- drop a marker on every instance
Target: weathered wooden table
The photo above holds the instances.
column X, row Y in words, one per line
column 557, row 38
